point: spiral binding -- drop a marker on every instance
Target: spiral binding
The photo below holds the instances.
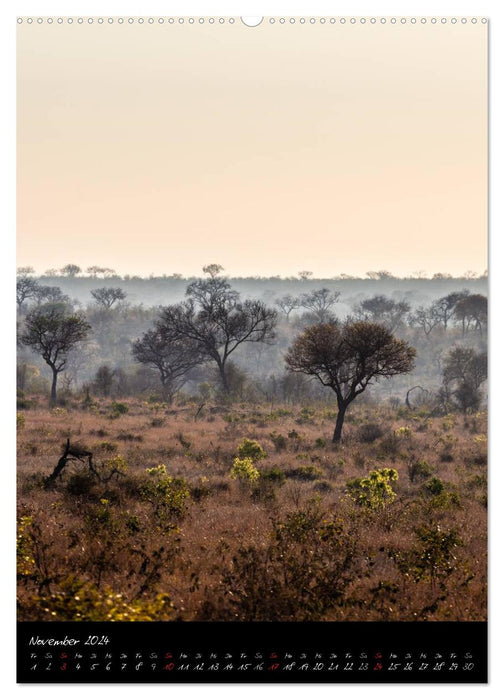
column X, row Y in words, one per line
column 237, row 20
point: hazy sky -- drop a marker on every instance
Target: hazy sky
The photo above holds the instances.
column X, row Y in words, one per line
column 327, row 147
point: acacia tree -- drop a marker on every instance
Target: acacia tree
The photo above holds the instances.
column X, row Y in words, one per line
column 70, row 270
column 173, row 358
column 472, row 309
column 381, row 309
column 287, row 304
column 52, row 331
column 319, row 302
column 444, row 308
column 215, row 320
column 348, row 359
column 213, row 269
column 106, row 297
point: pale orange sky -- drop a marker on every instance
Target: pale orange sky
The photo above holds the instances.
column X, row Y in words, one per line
column 331, row 148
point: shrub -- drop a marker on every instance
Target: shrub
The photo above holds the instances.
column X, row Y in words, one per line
column 251, row 449
column 80, row 484
column 419, row 470
column 390, row 445
column 106, row 446
column 20, row 421
column 305, row 472
column 273, row 475
column 320, row 442
column 434, row 486
column 166, row 493
column 404, row 432
column 433, row 558
column 370, row 432
column 244, row 470
column 81, row 601
column 116, row 465
column 322, row 486
column 301, row 574
column 120, row 408
column 24, row 547
column 279, row 441
column 374, row 491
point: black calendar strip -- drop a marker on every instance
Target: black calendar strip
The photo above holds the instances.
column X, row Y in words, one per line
column 339, row 652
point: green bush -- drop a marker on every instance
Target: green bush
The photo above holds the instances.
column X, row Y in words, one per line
column 167, row 494
column 374, row 491
column 244, row 470
column 251, row 449
column 273, row 475
column 434, row 486
column 305, row 472
column 118, row 409
column 279, row 441
column 419, row 470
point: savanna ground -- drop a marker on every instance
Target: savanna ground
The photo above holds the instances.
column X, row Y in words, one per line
column 303, row 532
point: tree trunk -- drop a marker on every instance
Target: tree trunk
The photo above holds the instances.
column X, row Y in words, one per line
column 53, row 387
column 339, row 423
column 225, row 384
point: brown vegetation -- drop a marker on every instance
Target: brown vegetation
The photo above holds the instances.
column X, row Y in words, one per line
column 309, row 531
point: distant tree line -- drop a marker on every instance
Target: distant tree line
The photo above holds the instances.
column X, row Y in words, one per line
column 213, row 322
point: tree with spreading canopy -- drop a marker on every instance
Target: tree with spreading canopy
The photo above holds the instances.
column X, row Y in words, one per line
column 444, row 308
column 216, row 322
column 287, row 304
column 106, row 297
column 52, row 331
column 70, row 270
column 472, row 310
column 171, row 357
column 348, row 358
column 382, row 309
column 319, row 302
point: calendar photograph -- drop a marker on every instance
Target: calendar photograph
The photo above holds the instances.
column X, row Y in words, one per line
column 252, row 348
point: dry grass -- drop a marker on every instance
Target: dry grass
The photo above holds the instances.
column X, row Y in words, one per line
column 209, row 547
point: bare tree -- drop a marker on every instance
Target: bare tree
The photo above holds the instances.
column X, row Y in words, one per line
column 287, row 304
column 319, row 302
column 425, row 318
column 173, row 358
column 348, row 359
column 26, row 288
column 106, row 297
column 217, row 322
column 25, row 270
column 52, row 332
